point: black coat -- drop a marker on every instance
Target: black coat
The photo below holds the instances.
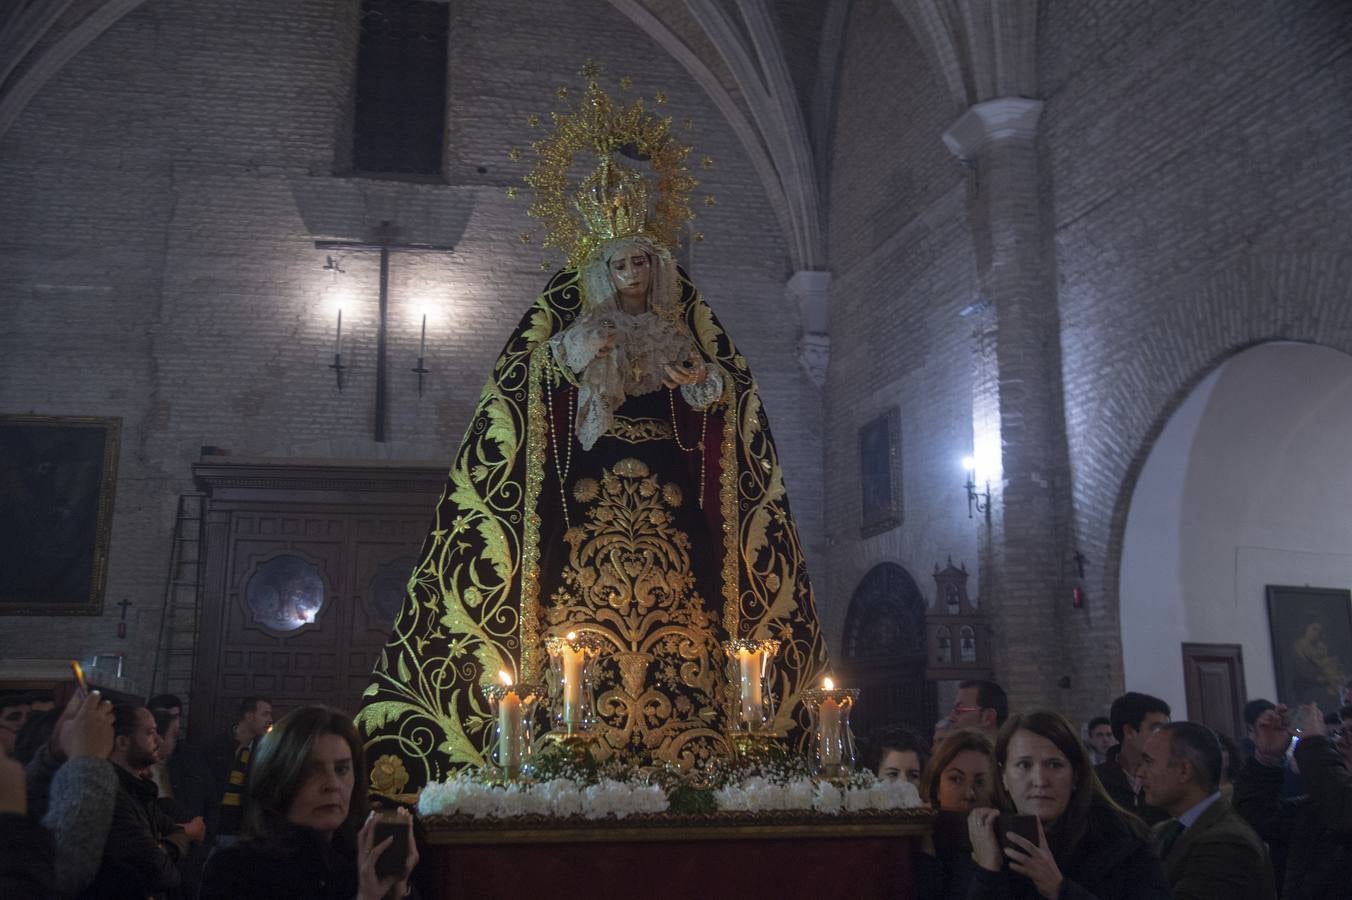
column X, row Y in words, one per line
column 304, row 864
column 1110, row 863
column 1312, row 832
column 26, row 858
column 1123, row 791
column 140, row 857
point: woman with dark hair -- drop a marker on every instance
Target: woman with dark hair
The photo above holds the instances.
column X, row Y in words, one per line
column 1087, row 846
column 303, row 822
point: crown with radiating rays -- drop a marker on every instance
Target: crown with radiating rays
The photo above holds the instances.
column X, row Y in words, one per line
column 613, row 199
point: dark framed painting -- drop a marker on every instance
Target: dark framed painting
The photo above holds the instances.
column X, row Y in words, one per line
column 57, row 476
column 880, row 473
column 1311, row 643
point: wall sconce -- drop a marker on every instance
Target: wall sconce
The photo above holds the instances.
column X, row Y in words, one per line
column 337, row 365
column 980, row 502
column 334, row 269
column 420, row 370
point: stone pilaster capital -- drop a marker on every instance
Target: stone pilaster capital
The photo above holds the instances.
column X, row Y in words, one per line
column 1005, row 118
column 814, row 355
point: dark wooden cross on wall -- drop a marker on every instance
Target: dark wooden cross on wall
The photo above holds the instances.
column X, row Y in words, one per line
column 384, row 240
column 122, row 625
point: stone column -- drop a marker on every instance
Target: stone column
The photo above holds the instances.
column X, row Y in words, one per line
column 1018, row 413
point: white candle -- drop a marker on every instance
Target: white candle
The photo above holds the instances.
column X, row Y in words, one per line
column 510, row 726
column 338, row 339
column 828, row 732
column 422, row 343
column 749, row 666
column 572, row 683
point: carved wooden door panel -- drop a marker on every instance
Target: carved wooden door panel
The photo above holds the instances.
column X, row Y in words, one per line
column 305, row 572
column 885, row 653
column 1213, row 682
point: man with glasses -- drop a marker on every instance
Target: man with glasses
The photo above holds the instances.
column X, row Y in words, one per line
column 981, row 706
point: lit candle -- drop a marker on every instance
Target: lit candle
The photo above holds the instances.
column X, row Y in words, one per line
column 338, row 340
column 572, row 682
column 422, row 344
column 829, row 717
column 749, row 667
column 510, row 727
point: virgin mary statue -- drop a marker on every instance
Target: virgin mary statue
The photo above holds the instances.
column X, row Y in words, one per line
column 618, row 478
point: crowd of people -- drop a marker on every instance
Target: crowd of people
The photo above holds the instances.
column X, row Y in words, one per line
column 1136, row 806
column 102, row 799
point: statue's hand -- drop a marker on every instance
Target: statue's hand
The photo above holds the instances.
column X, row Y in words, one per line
column 694, row 373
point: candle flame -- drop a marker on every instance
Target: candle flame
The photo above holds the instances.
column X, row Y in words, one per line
column 828, row 684
column 572, row 635
column 506, row 679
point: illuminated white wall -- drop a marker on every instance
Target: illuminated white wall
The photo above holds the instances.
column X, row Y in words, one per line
column 1248, row 485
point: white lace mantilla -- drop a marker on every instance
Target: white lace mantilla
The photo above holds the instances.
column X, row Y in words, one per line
column 644, row 344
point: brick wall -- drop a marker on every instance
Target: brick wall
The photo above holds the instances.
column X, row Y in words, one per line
column 1196, row 179
column 162, row 194
column 903, row 268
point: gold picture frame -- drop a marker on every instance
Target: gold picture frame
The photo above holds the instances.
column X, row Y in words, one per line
column 57, row 479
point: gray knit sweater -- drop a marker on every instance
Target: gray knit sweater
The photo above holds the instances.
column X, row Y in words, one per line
column 79, row 810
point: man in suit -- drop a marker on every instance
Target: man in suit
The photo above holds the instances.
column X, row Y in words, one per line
column 1207, row 849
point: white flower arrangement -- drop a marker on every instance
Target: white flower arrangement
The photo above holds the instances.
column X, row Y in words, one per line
column 561, row 797
column 467, row 795
column 758, row 794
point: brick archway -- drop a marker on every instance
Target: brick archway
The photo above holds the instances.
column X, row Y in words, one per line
column 1301, row 297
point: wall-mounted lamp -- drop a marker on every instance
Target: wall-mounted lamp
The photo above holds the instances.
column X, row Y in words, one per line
column 420, row 370
column 979, row 502
column 335, row 269
column 337, row 365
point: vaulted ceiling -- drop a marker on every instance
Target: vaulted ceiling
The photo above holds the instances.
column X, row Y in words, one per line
column 769, row 67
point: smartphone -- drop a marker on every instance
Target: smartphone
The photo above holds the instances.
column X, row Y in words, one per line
column 1010, row 823
column 79, row 676
column 391, row 861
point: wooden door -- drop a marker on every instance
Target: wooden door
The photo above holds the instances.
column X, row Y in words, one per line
column 1213, row 679
column 305, row 568
column 885, row 654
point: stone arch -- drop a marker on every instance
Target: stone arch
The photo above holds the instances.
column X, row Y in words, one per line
column 1300, row 297
column 884, row 650
column 1244, row 487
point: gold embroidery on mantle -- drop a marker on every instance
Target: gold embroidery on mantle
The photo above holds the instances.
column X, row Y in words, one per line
column 636, row 431
column 659, row 691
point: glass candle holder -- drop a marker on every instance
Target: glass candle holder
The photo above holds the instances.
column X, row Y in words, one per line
column 749, row 670
column 571, row 659
column 833, row 741
column 513, row 706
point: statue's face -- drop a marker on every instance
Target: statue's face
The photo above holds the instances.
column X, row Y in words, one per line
column 631, row 273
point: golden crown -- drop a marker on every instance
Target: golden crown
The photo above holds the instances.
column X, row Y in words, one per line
column 614, row 200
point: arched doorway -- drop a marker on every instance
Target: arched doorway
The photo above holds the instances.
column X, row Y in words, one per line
column 884, row 653
column 1246, row 486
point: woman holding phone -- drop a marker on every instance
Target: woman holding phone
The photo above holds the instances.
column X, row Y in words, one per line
column 307, row 830
column 1086, row 846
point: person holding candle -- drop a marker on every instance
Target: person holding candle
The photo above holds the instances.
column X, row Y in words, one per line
column 1087, row 846
column 618, row 480
column 308, row 831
